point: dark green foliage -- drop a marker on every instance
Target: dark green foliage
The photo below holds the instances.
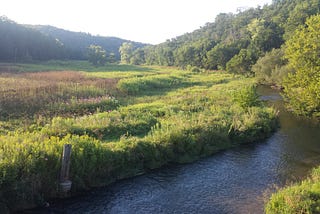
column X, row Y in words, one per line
column 76, row 42
column 137, row 57
column 25, row 43
column 234, row 39
column 217, row 57
column 242, row 62
column 271, row 69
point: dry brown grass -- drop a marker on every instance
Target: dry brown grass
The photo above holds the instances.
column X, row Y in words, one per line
column 28, row 93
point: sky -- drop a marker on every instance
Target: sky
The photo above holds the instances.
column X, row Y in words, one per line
column 147, row 21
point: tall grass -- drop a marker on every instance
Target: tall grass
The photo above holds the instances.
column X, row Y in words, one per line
column 303, row 197
column 195, row 115
column 52, row 93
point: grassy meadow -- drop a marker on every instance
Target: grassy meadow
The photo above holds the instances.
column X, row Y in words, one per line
column 121, row 121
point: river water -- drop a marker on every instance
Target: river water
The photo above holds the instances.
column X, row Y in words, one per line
column 233, row 181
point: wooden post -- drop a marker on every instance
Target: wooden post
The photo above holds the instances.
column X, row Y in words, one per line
column 65, row 183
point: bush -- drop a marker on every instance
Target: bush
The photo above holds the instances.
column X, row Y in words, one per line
column 271, row 68
column 242, row 62
column 246, row 97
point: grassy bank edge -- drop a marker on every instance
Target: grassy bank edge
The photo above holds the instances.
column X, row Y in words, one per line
column 105, row 162
column 302, row 197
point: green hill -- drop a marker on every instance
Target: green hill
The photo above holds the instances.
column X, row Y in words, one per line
column 24, row 43
column 19, row 43
column 77, row 42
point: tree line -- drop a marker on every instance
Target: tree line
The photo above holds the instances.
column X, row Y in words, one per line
column 233, row 41
column 27, row 43
column 18, row 43
column 278, row 43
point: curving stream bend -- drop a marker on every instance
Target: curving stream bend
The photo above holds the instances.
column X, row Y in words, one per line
column 233, row 181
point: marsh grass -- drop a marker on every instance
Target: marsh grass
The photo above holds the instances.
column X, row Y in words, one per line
column 52, row 93
column 165, row 116
column 58, row 65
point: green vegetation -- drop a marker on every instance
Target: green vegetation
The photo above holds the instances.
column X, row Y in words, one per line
column 271, row 69
column 29, row 43
column 277, row 43
column 124, row 119
column 97, row 55
column 257, row 41
column 303, row 197
column 119, row 126
column 233, row 41
column 302, row 89
column 19, row 43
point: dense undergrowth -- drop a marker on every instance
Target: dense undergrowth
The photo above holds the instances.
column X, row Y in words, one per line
column 120, row 126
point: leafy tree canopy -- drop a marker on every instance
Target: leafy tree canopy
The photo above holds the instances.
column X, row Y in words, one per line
column 97, row 55
column 302, row 89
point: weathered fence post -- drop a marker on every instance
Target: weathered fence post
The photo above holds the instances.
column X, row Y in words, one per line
column 65, row 183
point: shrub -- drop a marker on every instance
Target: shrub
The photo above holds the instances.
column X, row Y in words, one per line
column 270, row 69
column 246, row 97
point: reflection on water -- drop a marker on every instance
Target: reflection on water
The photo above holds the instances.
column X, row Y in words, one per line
column 233, row 181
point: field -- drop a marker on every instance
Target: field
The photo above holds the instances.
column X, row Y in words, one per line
column 121, row 121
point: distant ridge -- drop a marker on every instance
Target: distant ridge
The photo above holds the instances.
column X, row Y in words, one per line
column 77, row 42
column 27, row 43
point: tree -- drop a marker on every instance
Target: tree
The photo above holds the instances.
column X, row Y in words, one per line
column 302, row 89
column 97, row 55
column 243, row 61
column 299, row 14
column 137, row 57
column 218, row 56
column 271, row 68
column 126, row 51
column 265, row 35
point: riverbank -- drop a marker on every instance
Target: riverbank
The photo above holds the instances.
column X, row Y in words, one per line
column 303, row 197
column 151, row 117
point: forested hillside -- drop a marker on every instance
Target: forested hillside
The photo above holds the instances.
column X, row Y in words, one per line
column 78, row 42
column 233, row 41
column 278, row 43
column 19, row 43
column 25, row 43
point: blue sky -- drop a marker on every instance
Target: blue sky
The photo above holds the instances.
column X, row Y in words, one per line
column 149, row 21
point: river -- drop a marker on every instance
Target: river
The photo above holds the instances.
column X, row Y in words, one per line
column 232, row 181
